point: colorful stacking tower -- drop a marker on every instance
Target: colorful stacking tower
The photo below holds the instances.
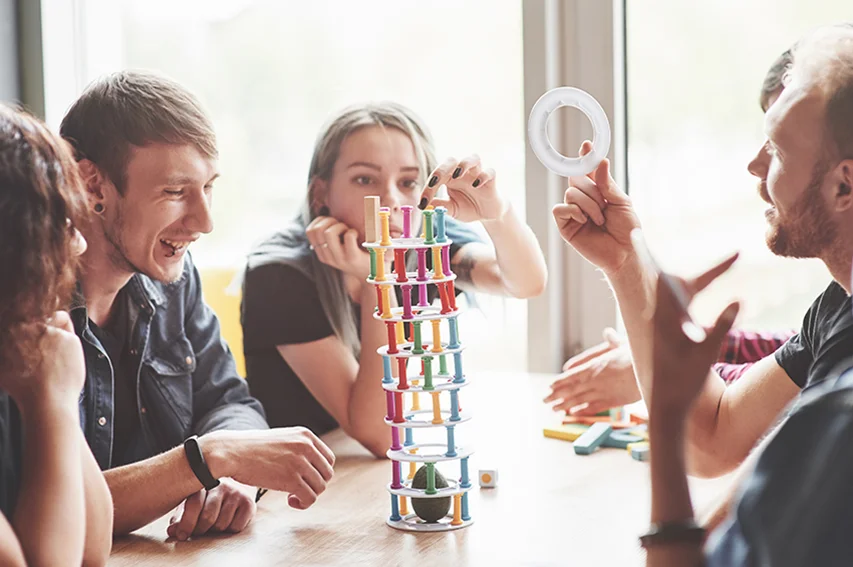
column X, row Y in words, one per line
column 422, row 320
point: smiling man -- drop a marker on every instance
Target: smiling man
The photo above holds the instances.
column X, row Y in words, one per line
column 805, row 172
column 158, row 372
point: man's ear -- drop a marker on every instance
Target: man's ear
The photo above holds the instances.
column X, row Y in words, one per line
column 95, row 180
column 843, row 198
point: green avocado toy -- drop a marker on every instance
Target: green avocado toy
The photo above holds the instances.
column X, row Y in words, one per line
column 430, row 509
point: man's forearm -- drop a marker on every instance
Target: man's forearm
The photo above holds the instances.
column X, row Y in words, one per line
column 144, row 491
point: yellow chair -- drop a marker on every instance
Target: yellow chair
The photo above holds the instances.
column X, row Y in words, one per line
column 214, row 284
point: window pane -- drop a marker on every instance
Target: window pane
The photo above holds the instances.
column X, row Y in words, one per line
column 272, row 72
column 695, row 71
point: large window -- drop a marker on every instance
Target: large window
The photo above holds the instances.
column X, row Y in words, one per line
column 695, row 70
column 272, row 72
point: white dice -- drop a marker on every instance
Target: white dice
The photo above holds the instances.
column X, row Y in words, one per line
column 488, row 478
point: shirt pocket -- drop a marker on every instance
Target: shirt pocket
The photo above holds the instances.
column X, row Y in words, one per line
column 171, row 367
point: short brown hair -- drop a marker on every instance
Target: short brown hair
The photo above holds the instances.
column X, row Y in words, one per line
column 40, row 192
column 134, row 108
column 774, row 80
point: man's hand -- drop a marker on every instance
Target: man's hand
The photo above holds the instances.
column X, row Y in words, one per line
column 227, row 508
column 289, row 459
column 680, row 363
column 597, row 218
column 600, row 378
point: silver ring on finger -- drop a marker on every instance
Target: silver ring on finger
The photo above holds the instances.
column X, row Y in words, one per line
column 325, row 245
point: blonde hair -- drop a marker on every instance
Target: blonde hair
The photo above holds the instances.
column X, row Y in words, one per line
column 330, row 284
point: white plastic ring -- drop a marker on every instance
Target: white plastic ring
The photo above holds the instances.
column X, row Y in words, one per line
column 537, row 131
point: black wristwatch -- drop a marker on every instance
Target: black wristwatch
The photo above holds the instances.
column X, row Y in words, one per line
column 197, row 463
column 685, row 531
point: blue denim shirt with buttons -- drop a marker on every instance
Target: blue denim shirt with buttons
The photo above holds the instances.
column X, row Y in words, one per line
column 186, row 378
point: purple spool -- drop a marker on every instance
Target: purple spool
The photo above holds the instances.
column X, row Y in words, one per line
column 445, row 260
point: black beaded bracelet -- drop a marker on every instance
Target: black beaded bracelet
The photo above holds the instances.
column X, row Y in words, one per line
column 684, row 531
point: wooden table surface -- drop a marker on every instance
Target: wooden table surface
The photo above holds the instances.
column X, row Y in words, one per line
column 551, row 507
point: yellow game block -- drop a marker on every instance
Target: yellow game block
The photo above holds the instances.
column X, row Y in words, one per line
column 569, row 432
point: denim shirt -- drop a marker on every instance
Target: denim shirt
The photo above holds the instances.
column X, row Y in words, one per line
column 186, row 378
column 796, row 508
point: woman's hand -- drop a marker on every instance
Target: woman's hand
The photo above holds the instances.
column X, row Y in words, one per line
column 600, row 378
column 61, row 372
column 336, row 245
column 472, row 193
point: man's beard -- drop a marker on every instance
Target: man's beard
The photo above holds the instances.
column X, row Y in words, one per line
column 811, row 232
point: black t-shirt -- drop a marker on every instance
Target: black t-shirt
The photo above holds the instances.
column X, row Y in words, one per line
column 11, row 454
column 824, row 346
column 281, row 306
column 115, row 338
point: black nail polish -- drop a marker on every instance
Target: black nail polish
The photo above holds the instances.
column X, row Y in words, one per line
column 422, row 205
column 323, row 212
column 433, row 181
column 476, row 182
column 457, row 173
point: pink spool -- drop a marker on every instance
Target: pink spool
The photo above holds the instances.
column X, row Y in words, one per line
column 395, row 439
column 422, row 296
column 407, row 221
column 445, row 260
column 389, row 401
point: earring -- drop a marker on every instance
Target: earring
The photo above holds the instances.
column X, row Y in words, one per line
column 99, row 208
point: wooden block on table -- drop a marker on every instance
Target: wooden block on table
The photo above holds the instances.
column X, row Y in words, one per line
column 589, row 420
column 641, row 452
column 621, row 440
column 567, row 432
column 371, row 219
column 587, row 443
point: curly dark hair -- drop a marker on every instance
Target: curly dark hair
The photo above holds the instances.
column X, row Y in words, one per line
column 42, row 199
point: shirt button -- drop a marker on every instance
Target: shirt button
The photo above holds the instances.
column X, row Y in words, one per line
column 144, row 411
column 101, row 355
column 188, row 360
column 133, row 352
column 102, row 421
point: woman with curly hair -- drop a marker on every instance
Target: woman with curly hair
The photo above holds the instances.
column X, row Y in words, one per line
column 56, row 505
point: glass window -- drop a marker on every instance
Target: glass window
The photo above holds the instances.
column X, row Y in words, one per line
column 271, row 73
column 695, row 71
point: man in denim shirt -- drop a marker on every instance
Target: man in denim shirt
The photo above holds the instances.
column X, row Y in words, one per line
column 158, row 371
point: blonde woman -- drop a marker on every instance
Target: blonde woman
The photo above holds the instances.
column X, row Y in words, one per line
column 309, row 335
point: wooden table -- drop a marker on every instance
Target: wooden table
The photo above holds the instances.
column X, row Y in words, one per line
column 551, row 507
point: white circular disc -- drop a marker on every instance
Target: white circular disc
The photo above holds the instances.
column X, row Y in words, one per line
column 405, row 456
column 452, row 488
column 537, row 131
column 414, row 424
column 411, row 523
column 406, row 244
column 425, row 313
column 447, row 385
column 405, row 351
